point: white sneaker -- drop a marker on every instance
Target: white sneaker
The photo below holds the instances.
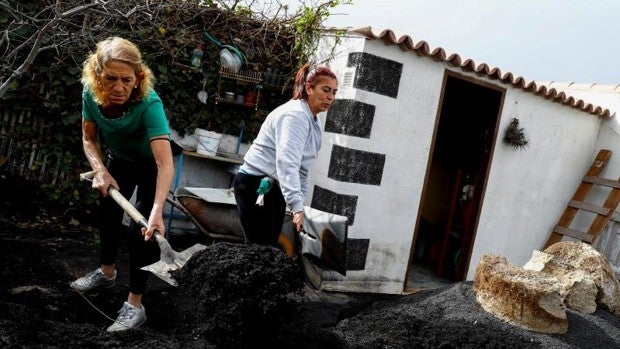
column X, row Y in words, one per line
column 93, row 281
column 129, row 317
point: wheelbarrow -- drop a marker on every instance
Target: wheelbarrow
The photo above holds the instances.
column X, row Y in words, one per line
column 321, row 244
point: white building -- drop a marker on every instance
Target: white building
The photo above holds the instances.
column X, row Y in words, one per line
column 412, row 127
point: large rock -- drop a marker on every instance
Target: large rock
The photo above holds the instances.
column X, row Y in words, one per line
column 525, row 298
column 581, row 258
column 577, row 289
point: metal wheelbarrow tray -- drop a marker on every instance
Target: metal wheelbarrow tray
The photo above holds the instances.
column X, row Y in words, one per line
column 214, row 212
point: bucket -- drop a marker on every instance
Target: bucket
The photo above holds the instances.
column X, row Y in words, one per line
column 208, row 142
column 228, row 144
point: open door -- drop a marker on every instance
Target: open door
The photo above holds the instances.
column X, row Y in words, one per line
column 463, row 142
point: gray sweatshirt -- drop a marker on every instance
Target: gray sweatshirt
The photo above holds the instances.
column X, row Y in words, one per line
column 286, row 148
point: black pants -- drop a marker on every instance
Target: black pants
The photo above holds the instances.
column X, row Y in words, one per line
column 128, row 175
column 261, row 224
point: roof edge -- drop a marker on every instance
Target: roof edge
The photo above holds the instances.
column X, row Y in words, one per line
column 422, row 48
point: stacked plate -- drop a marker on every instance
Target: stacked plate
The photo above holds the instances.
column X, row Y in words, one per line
column 230, row 60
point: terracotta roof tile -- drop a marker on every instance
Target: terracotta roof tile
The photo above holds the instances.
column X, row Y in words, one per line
column 422, row 48
column 606, row 88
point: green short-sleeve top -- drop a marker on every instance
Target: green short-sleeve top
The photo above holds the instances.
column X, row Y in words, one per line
column 129, row 135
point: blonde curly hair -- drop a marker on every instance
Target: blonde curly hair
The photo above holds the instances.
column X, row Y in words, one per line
column 121, row 50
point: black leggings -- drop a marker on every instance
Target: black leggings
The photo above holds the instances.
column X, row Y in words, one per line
column 261, row 224
column 128, row 175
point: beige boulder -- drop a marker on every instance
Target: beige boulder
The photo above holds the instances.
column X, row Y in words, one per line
column 570, row 258
column 578, row 290
column 566, row 274
column 525, row 298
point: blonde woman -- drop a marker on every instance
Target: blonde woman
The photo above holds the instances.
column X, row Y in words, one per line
column 126, row 140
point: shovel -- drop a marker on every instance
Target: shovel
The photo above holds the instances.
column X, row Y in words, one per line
column 169, row 259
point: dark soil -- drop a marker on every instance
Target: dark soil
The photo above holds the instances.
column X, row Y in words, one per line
column 235, row 295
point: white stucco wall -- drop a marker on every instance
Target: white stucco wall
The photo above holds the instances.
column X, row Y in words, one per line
column 528, row 189
column 526, row 192
column 609, row 138
column 605, row 96
column 402, row 129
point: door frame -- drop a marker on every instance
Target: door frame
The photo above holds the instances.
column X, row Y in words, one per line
column 487, row 163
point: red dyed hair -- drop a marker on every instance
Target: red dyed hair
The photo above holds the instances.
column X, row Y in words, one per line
column 307, row 76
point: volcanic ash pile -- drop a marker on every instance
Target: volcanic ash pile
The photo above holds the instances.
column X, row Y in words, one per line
column 235, row 290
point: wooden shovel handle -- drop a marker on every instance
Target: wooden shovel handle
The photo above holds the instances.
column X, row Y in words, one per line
column 120, row 200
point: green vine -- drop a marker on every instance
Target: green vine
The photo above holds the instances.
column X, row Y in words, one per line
column 308, row 27
column 46, row 94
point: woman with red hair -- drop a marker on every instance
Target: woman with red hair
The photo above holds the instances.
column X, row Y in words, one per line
column 281, row 158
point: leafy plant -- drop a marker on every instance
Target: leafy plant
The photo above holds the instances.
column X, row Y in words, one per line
column 515, row 135
column 45, row 42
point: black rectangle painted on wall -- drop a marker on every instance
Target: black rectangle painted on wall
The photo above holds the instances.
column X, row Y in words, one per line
column 356, row 166
column 350, row 117
column 332, row 202
column 357, row 251
column 375, row 74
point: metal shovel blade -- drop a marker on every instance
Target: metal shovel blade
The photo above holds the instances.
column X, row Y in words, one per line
column 324, row 239
column 170, row 260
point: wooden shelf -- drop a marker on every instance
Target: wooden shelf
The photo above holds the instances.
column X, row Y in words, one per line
column 234, row 160
column 242, row 77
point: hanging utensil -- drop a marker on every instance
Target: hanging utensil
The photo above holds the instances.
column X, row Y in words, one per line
column 203, row 95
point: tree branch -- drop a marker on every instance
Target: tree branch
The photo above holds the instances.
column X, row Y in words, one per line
column 39, row 37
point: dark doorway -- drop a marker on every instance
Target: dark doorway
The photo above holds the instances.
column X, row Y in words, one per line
column 456, row 177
